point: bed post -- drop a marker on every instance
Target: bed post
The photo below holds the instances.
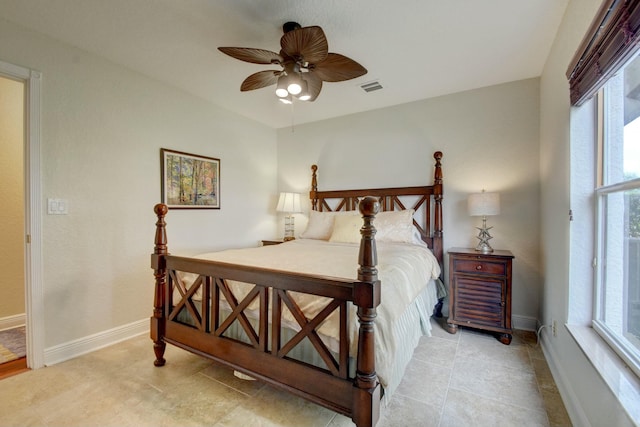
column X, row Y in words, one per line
column 437, row 196
column 314, row 188
column 158, row 264
column 366, row 391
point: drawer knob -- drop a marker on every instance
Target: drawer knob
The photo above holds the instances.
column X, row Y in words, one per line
column 479, row 267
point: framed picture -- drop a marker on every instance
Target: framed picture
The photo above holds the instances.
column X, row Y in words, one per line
column 190, row 181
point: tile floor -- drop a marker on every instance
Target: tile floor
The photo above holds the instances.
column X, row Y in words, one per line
column 467, row 379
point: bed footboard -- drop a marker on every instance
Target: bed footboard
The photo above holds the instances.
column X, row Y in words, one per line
column 263, row 353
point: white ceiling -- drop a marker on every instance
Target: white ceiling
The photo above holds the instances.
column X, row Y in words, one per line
column 415, row 48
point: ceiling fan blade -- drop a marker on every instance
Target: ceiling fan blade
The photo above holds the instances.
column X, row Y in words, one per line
column 314, row 86
column 249, row 54
column 337, row 68
column 259, row 80
column 308, row 43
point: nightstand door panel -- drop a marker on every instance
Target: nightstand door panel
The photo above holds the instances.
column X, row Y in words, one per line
column 479, row 300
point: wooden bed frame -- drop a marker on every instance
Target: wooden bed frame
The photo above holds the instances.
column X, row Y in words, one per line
column 265, row 358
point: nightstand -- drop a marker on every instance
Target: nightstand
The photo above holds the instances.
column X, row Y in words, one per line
column 271, row 242
column 480, row 291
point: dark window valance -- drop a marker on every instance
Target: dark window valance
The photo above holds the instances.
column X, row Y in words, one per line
column 612, row 39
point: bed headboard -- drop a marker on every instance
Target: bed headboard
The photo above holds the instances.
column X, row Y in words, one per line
column 426, row 201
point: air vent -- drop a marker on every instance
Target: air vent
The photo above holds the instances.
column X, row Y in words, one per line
column 371, row 86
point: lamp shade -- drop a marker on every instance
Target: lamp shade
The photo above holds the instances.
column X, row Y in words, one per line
column 484, row 204
column 289, row 202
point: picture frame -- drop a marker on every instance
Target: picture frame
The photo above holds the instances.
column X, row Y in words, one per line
column 189, row 181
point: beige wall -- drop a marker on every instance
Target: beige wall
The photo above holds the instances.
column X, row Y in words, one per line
column 102, row 129
column 12, row 196
column 489, row 138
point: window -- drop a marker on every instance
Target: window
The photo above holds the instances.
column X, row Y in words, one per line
column 617, row 298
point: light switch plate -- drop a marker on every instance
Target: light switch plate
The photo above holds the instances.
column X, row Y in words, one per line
column 57, row 206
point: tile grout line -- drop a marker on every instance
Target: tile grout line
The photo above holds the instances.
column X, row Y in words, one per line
column 544, row 403
column 446, row 394
column 226, row 385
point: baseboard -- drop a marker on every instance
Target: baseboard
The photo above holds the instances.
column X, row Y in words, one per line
column 14, row 321
column 69, row 350
column 524, row 323
column 569, row 398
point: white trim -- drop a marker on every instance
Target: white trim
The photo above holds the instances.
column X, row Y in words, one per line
column 11, row 322
column 569, row 398
column 75, row 348
column 524, row 323
column 35, row 286
column 34, row 290
column 623, row 383
column 620, row 345
column 619, row 187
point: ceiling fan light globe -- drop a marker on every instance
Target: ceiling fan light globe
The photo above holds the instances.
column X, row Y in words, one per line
column 281, row 87
column 304, row 94
column 286, row 100
column 294, row 88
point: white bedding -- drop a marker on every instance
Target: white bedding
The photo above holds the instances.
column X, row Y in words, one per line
column 404, row 269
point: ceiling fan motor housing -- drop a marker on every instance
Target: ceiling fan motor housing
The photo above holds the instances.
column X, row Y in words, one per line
column 290, row 26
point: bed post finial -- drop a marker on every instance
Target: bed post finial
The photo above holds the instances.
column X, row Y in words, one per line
column 437, row 177
column 160, row 272
column 314, row 187
column 366, row 409
column 160, row 242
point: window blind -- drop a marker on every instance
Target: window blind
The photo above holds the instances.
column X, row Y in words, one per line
column 610, row 42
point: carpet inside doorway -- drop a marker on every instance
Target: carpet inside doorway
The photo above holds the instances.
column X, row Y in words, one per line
column 12, row 344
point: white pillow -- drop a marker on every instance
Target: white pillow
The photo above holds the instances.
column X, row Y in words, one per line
column 394, row 226
column 417, row 237
column 346, row 229
column 320, row 224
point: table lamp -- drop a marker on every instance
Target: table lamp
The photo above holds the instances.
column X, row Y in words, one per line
column 484, row 204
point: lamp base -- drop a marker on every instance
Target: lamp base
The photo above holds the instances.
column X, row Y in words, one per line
column 484, row 237
column 484, row 247
column 289, row 228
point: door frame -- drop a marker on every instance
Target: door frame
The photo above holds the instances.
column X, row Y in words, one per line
column 34, row 290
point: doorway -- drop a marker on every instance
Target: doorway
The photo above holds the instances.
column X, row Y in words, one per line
column 12, row 224
column 31, row 230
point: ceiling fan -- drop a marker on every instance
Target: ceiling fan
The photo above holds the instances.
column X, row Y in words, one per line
column 305, row 60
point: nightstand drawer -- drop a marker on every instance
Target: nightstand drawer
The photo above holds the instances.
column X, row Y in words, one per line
column 479, row 267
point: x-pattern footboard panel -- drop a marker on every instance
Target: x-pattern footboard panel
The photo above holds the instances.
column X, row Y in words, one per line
column 204, row 300
column 309, row 330
column 258, row 339
column 186, row 300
